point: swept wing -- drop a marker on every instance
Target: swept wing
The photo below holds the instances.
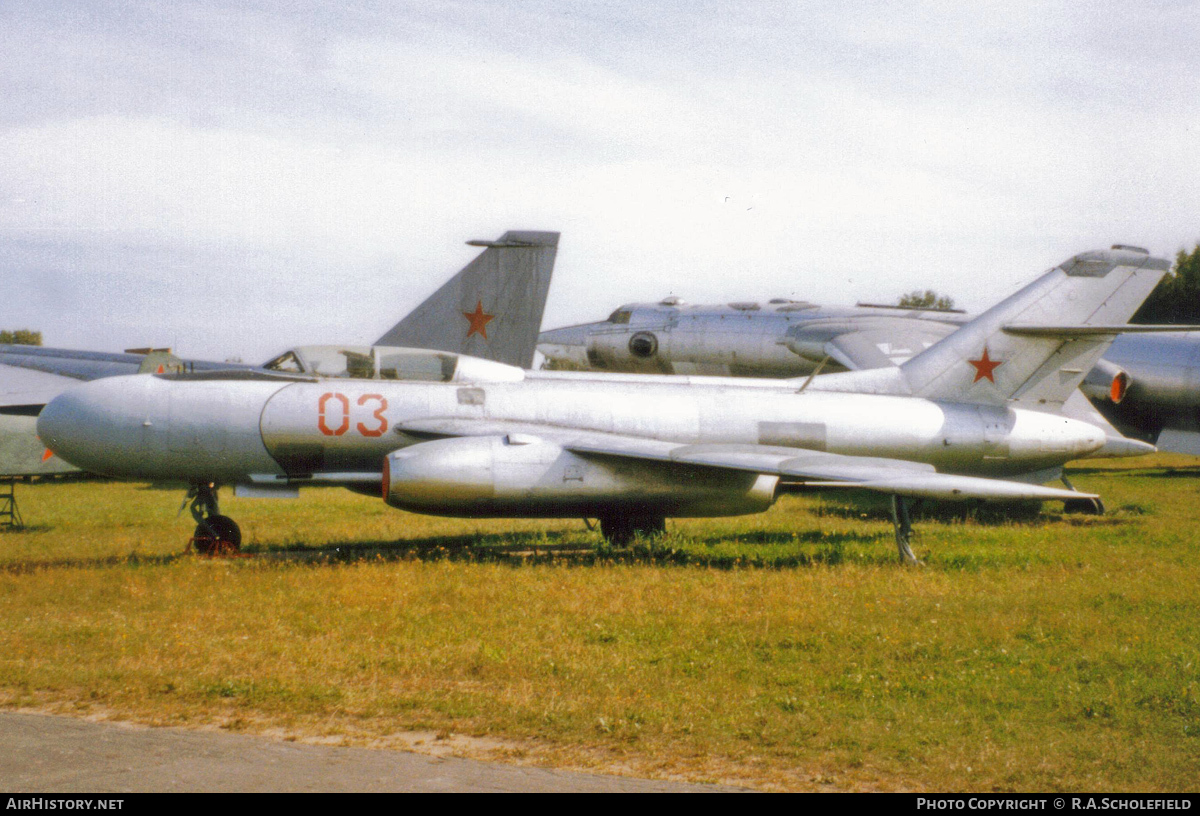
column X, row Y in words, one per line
column 795, row 465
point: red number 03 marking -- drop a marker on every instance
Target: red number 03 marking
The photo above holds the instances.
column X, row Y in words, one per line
column 383, row 424
column 326, row 414
column 323, row 414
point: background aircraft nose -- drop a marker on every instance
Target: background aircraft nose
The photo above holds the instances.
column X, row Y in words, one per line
column 566, row 336
column 566, row 345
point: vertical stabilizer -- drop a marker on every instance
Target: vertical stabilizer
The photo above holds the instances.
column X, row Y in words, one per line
column 157, row 361
column 1037, row 345
column 492, row 308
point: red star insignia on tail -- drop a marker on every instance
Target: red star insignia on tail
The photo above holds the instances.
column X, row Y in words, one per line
column 478, row 319
column 984, row 367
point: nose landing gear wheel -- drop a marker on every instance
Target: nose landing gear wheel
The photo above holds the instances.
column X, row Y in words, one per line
column 217, row 535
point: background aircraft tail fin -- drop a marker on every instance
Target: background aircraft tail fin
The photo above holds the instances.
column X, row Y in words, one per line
column 492, row 308
column 157, row 361
column 1037, row 345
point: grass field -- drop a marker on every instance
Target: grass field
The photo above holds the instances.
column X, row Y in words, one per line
column 787, row 650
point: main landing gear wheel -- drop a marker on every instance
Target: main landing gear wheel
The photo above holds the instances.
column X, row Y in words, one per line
column 1086, row 507
column 215, row 534
column 621, row 530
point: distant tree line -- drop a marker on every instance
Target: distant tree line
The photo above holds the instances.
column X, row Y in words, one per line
column 20, row 337
column 1176, row 299
column 928, row 299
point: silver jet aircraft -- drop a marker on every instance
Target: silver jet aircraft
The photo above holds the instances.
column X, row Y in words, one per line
column 975, row 416
column 1149, row 386
column 492, row 308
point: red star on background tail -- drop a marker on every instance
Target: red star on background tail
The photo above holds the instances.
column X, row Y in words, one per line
column 984, row 367
column 479, row 320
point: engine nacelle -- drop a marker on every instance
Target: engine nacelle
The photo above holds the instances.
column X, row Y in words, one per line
column 1106, row 382
column 526, row 476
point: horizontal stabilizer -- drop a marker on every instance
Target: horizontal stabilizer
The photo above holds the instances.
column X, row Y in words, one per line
column 864, row 343
column 1037, row 345
column 513, row 244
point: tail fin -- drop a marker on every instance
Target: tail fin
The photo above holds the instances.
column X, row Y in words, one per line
column 1037, row 345
column 492, row 308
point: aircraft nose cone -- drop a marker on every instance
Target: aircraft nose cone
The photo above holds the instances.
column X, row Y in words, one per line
column 566, row 345
column 566, row 336
column 92, row 425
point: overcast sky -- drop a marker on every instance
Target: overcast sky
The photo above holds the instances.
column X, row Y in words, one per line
column 233, row 178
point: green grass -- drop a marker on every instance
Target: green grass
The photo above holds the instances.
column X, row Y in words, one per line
column 784, row 650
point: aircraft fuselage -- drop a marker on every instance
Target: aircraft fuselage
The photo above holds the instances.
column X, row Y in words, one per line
column 242, row 432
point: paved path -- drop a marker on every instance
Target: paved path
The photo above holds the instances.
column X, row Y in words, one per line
column 46, row 754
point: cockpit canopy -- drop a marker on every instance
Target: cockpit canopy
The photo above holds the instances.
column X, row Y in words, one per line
column 390, row 363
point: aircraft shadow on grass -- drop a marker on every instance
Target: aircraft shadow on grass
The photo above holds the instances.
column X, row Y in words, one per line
column 26, row 528
column 805, row 548
column 812, row 548
column 986, row 515
column 556, row 548
column 1174, row 472
column 39, row 565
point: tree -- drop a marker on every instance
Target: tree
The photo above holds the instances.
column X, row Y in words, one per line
column 928, row 299
column 1176, row 299
column 20, row 337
